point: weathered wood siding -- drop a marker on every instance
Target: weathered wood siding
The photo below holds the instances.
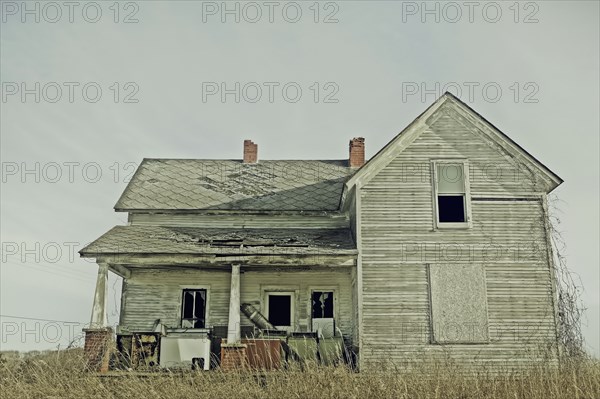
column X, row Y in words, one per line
column 301, row 282
column 350, row 202
column 156, row 294
column 399, row 240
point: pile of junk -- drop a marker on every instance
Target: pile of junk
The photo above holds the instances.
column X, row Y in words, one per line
column 267, row 348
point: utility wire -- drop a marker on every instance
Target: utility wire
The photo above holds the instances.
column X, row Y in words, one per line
column 55, row 272
column 53, row 266
column 36, row 319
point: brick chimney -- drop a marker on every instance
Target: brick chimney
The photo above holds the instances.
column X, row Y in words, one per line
column 250, row 152
column 357, row 152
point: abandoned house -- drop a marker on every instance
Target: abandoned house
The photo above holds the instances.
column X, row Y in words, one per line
column 439, row 245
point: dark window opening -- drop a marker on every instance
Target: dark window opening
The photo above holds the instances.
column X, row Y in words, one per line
column 322, row 304
column 451, row 208
column 280, row 310
column 193, row 309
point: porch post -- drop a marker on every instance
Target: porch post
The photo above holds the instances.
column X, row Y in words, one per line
column 98, row 335
column 99, row 317
column 233, row 327
column 233, row 352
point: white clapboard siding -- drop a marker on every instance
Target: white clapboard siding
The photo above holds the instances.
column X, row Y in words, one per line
column 156, row 294
column 302, row 282
column 399, row 241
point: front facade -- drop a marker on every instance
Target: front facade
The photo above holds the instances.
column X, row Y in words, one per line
column 438, row 246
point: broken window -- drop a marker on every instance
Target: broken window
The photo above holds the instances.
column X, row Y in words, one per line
column 451, row 191
column 322, row 320
column 322, row 304
column 193, row 308
column 280, row 309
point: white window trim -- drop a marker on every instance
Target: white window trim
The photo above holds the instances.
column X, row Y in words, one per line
column 463, row 225
column 206, row 305
column 292, row 294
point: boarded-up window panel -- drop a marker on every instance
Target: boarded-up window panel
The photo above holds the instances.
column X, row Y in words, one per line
column 458, row 303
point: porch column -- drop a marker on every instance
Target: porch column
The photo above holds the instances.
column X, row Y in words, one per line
column 234, row 335
column 233, row 352
column 98, row 335
column 99, row 317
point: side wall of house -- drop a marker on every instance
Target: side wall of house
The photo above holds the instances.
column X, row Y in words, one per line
column 156, row 294
column 355, row 271
column 507, row 239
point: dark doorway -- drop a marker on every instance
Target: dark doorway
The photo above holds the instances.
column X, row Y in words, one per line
column 280, row 310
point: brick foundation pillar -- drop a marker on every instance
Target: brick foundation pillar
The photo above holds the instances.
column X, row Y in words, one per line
column 233, row 357
column 97, row 348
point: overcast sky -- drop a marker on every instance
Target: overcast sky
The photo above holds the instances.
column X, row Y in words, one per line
column 89, row 91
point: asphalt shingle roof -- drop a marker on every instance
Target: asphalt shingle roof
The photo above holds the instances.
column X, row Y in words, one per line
column 138, row 239
column 188, row 184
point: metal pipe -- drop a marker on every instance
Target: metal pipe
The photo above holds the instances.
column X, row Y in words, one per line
column 261, row 322
column 256, row 317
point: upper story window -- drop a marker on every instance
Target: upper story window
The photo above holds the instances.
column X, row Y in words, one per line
column 451, row 194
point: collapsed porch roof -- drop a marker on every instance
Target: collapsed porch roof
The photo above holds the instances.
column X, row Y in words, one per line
column 149, row 240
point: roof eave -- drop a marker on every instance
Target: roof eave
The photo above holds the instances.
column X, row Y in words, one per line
column 356, row 177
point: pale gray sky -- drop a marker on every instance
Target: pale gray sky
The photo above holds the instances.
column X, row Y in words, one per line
column 532, row 70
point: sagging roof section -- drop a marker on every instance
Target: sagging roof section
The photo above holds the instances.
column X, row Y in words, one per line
column 188, row 240
column 192, row 184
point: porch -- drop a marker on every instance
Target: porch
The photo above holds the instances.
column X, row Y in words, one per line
column 261, row 303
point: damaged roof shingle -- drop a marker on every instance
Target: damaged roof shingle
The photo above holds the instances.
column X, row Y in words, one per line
column 189, row 240
column 188, row 184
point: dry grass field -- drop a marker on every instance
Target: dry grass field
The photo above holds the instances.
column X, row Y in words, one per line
column 61, row 375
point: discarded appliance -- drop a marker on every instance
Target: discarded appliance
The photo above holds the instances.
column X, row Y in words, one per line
column 331, row 351
column 304, row 344
column 324, row 328
column 269, row 330
column 264, row 353
column 137, row 350
column 185, row 348
column 125, row 350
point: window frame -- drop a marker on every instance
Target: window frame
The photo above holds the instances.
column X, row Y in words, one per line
column 184, row 288
column 292, row 294
column 333, row 290
column 467, row 195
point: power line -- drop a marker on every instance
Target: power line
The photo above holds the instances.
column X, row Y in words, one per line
column 36, row 319
column 55, row 272
column 53, row 266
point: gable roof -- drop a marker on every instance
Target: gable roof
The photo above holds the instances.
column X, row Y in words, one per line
column 446, row 103
column 293, row 185
column 195, row 184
